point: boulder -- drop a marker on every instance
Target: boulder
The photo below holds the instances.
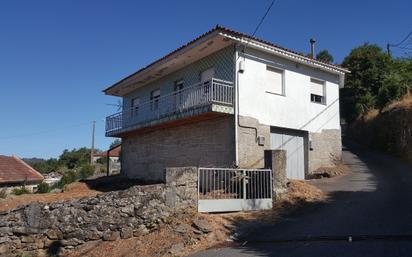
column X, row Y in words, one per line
column 202, row 225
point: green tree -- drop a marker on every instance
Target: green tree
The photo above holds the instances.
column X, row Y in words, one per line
column 115, row 143
column 369, row 67
column 324, row 56
column 75, row 158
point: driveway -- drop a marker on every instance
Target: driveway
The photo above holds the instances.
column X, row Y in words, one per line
column 369, row 214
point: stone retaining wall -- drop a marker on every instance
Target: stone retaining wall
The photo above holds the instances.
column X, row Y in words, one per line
column 110, row 216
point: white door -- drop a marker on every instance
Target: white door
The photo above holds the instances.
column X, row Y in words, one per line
column 293, row 143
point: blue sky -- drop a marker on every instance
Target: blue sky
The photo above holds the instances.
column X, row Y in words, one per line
column 57, row 56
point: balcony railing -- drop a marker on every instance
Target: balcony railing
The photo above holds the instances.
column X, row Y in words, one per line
column 198, row 95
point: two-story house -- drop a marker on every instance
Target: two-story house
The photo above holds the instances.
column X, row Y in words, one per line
column 221, row 100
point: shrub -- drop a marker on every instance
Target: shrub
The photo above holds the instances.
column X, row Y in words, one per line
column 43, row 188
column 21, row 191
column 86, row 171
column 3, row 193
column 103, row 170
column 68, row 177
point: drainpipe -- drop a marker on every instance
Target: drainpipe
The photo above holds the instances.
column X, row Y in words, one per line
column 236, row 101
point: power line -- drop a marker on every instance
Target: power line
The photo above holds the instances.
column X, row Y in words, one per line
column 263, row 17
column 400, row 43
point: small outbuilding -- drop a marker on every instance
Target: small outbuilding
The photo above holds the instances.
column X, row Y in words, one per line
column 14, row 172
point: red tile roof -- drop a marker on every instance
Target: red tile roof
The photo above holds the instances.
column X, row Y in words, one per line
column 113, row 153
column 14, row 170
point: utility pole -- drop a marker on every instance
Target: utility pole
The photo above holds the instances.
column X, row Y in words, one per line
column 388, row 48
column 92, row 149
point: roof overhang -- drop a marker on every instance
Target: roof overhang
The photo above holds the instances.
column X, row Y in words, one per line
column 259, row 45
column 206, row 44
column 178, row 59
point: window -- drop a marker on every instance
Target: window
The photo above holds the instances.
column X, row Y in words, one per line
column 178, row 93
column 317, row 91
column 135, row 106
column 154, row 98
column 275, row 81
column 205, row 78
column 179, row 85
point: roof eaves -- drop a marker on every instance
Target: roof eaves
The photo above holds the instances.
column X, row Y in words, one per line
column 164, row 57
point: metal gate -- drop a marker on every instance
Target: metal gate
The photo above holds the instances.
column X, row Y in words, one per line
column 223, row 190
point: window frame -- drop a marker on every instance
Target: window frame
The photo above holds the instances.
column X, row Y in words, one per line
column 154, row 100
column 135, row 108
column 313, row 96
column 282, row 71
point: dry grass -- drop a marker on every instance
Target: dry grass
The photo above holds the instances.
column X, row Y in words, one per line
column 405, row 102
column 71, row 191
column 328, row 172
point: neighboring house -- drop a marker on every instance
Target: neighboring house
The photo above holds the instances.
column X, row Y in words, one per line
column 114, row 156
column 221, row 100
column 16, row 173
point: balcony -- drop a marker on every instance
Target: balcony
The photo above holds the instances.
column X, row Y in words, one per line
column 210, row 96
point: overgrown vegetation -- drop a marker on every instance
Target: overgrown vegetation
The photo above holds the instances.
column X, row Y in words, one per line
column 375, row 80
column 21, row 191
column 3, row 193
column 43, row 188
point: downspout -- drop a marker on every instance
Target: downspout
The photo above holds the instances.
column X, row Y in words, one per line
column 236, row 108
column 237, row 97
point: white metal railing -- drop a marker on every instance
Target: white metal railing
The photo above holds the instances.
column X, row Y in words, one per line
column 224, row 189
column 197, row 95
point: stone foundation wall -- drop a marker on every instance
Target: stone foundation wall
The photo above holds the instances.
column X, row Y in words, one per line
column 251, row 154
column 326, row 148
column 207, row 143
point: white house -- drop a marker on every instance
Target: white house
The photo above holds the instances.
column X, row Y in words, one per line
column 221, row 100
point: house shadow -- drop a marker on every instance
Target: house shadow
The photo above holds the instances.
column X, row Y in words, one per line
column 115, row 183
column 55, row 249
column 368, row 213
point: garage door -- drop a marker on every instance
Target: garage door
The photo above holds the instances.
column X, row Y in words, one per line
column 293, row 143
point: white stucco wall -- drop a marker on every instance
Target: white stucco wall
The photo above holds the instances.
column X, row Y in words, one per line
column 294, row 110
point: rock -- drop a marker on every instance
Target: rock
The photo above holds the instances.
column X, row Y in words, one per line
column 39, row 243
column 33, row 214
column 71, row 242
column 94, row 234
column 129, row 210
column 111, row 235
column 54, row 234
column 203, row 225
column 3, row 240
column 176, row 248
column 27, row 239
column 197, row 232
column 181, row 229
column 126, row 232
column 140, row 231
column 5, row 230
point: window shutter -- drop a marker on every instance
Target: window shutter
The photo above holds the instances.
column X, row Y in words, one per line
column 317, row 87
column 274, row 78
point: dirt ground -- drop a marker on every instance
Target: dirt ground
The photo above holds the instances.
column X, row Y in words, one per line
column 160, row 242
column 72, row 191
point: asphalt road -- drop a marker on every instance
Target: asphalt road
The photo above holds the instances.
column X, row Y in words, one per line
column 369, row 214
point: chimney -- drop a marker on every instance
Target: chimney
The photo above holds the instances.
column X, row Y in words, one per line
column 312, row 48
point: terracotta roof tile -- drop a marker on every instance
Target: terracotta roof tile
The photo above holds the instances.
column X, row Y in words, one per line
column 14, row 170
column 113, row 153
